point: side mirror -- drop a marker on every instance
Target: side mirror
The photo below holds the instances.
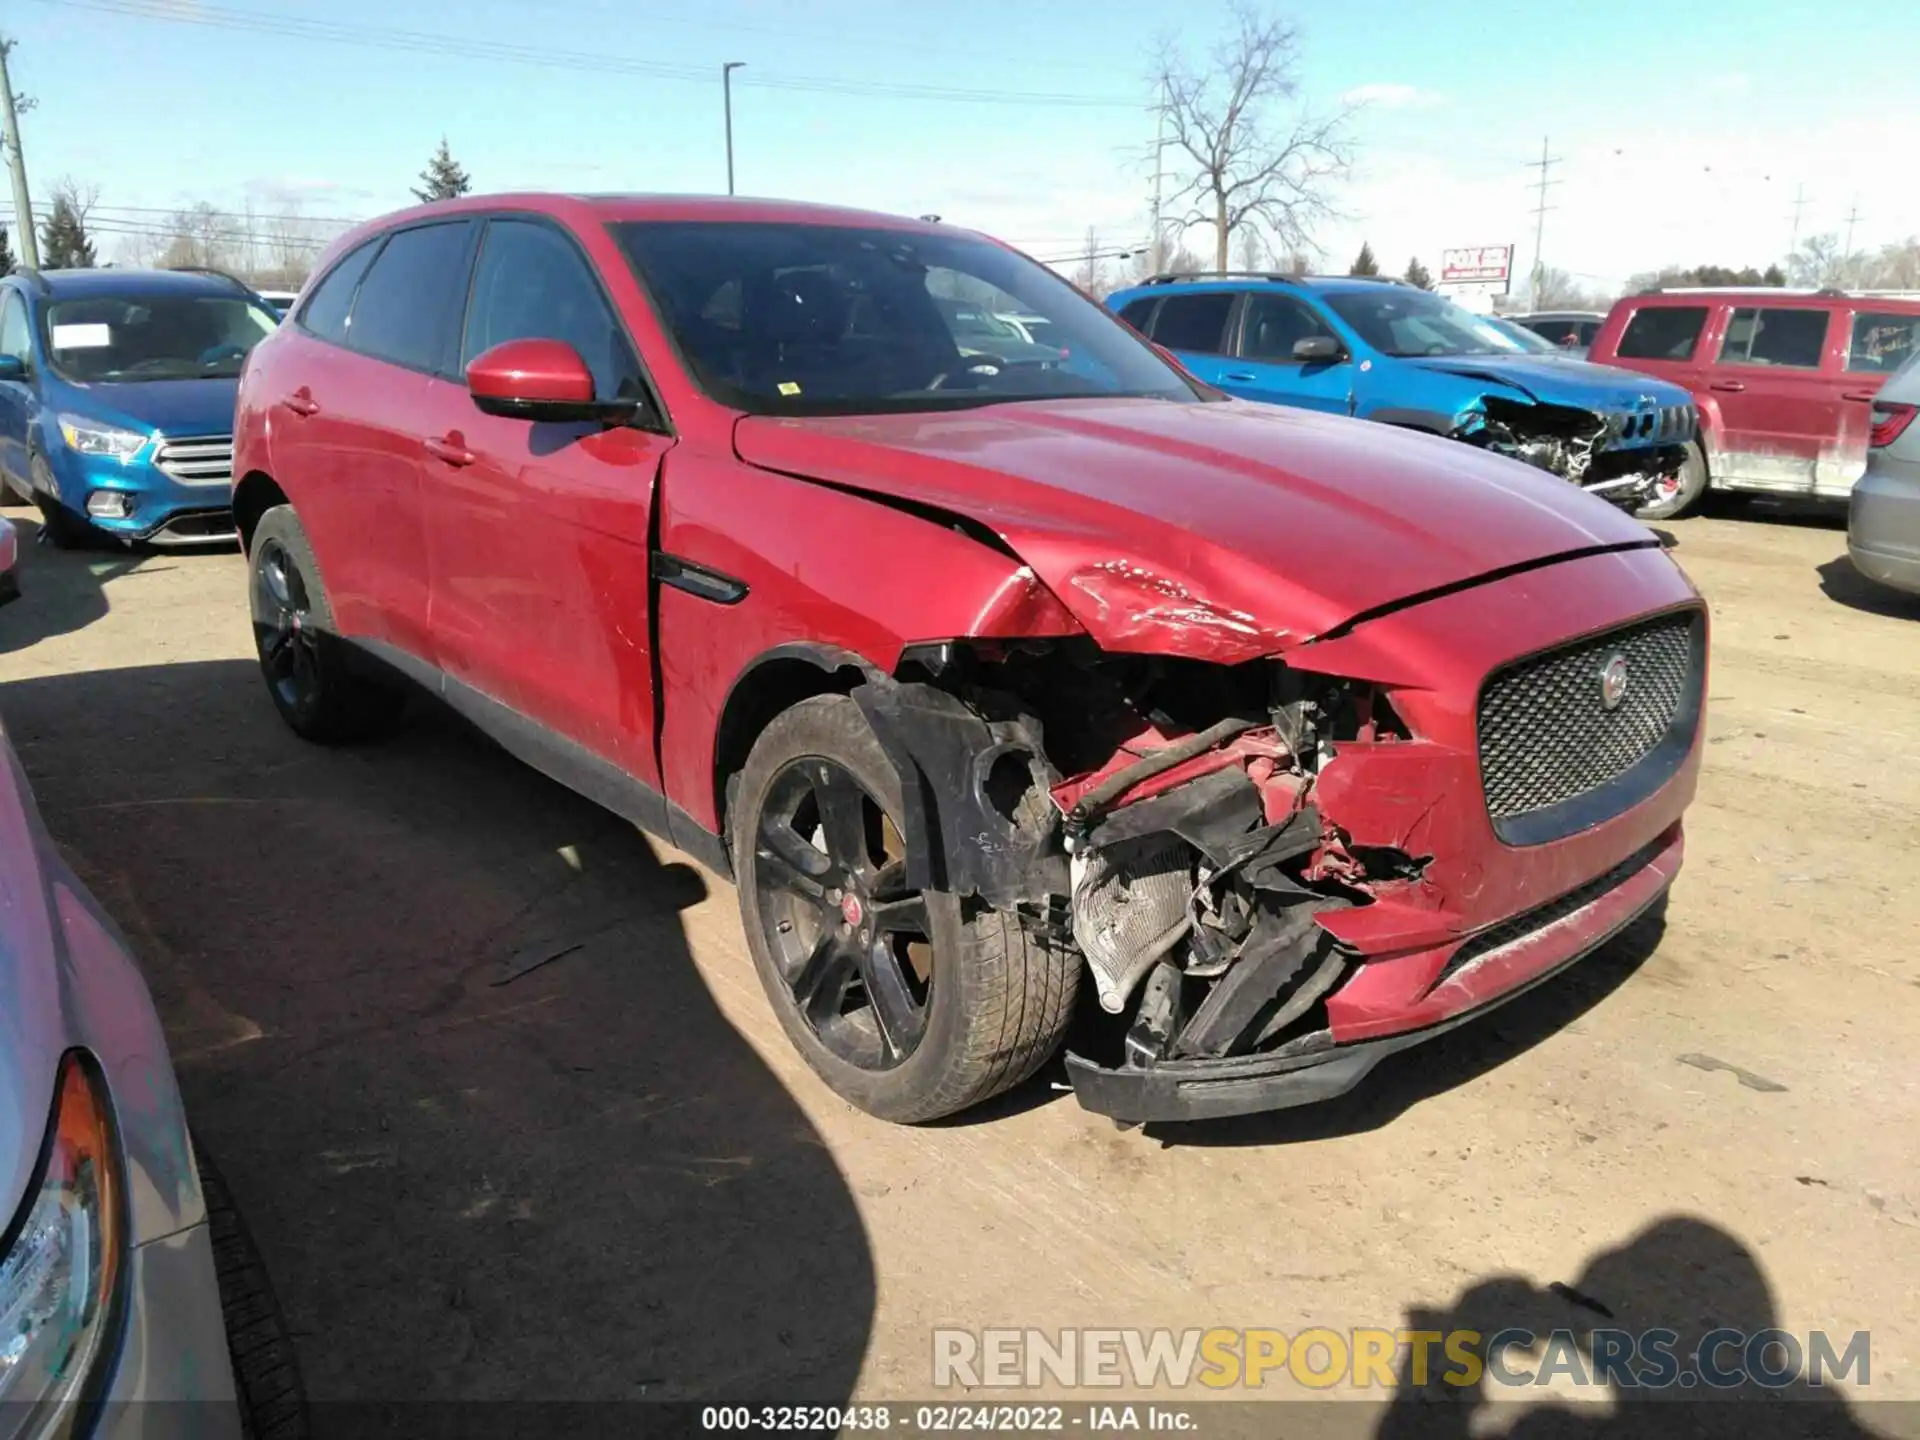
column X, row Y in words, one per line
column 12, row 367
column 540, row 380
column 1317, row 347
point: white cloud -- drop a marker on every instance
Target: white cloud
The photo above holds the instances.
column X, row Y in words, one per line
column 1388, row 96
column 1729, row 84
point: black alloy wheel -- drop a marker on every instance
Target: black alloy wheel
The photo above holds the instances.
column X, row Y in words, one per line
column 283, row 628
column 852, row 942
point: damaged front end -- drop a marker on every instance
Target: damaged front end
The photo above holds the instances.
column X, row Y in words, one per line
column 1274, row 876
column 1624, row 457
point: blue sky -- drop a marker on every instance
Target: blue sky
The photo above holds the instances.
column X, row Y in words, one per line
column 1683, row 130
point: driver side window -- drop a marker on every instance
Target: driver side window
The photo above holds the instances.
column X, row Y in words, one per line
column 531, row 284
column 1274, row 324
column 14, row 339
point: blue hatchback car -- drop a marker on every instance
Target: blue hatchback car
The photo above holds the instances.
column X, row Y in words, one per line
column 116, row 399
column 1384, row 350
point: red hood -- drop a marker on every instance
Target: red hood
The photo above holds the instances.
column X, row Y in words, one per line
column 1221, row 531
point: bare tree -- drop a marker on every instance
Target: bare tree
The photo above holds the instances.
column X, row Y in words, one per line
column 1246, row 168
column 199, row 236
column 1252, row 251
column 1557, row 290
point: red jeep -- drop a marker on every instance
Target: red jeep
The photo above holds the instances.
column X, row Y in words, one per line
column 1784, row 381
column 1303, row 739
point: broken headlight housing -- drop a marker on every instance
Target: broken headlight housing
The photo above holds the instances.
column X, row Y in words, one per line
column 60, row 1261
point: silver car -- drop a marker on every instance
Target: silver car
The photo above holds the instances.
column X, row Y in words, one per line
column 109, row 1296
column 1883, row 517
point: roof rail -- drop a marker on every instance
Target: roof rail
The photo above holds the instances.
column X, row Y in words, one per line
column 1220, row 275
column 1376, row 279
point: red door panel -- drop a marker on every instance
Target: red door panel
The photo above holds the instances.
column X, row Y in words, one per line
column 1777, row 384
column 346, row 449
column 537, row 546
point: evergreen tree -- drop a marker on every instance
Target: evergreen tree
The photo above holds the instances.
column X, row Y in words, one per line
column 443, row 179
column 1364, row 263
column 63, row 238
column 1417, row 274
column 1774, row 276
column 7, row 262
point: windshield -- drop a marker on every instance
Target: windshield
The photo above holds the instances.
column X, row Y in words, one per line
column 154, row 337
column 786, row 319
column 1400, row 321
column 1523, row 337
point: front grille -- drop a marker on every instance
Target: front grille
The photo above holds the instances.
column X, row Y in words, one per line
column 1668, row 425
column 1546, row 734
column 200, row 460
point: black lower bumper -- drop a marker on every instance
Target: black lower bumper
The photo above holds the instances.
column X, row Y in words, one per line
column 1302, row 1072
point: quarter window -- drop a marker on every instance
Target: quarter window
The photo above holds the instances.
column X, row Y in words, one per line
column 1791, row 339
column 1194, row 322
column 532, row 284
column 408, row 308
column 1882, row 343
column 1663, row 332
column 1138, row 312
column 326, row 312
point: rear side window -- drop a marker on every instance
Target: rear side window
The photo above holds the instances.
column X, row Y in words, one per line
column 1663, row 332
column 1791, row 339
column 531, row 284
column 408, row 308
column 1882, row 343
column 1136, row 313
column 326, row 312
column 1194, row 322
column 14, row 339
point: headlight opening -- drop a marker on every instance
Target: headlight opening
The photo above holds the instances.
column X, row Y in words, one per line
column 61, row 1257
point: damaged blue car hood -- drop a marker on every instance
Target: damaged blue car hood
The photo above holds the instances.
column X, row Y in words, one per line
column 1557, row 380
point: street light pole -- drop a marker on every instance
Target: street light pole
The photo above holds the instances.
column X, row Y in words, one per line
column 726, row 90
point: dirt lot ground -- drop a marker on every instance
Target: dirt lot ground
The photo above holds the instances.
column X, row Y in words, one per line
column 609, row 1177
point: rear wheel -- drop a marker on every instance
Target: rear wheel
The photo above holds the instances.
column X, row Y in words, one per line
column 321, row 689
column 266, row 1373
column 910, row 1004
column 1674, row 497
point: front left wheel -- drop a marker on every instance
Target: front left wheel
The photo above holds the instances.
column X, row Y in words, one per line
column 910, row 1004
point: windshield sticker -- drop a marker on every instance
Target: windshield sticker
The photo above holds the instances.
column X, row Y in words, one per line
column 787, row 387
column 82, row 337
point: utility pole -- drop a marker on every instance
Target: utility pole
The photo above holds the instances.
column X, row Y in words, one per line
column 28, row 242
column 1545, row 163
column 1853, row 217
column 1159, row 252
column 726, row 90
column 1799, row 204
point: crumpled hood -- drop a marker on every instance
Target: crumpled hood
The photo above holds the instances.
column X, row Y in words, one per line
column 173, row 407
column 1220, row 531
column 1562, row 380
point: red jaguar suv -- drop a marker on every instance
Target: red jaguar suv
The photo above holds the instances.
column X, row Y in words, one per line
column 994, row 681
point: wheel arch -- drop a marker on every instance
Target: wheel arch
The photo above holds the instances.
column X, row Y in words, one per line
column 773, row 682
column 256, row 494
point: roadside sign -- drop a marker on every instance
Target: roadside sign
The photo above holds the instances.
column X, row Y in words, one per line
column 1476, row 270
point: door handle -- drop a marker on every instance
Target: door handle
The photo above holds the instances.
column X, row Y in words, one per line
column 450, row 448
column 1242, row 377
column 301, row 402
column 1866, row 397
column 1735, row 386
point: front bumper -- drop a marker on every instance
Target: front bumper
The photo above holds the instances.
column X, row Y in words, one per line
column 163, row 511
column 1480, row 973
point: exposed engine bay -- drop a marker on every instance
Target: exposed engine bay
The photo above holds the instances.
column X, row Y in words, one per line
column 1580, row 446
column 1155, row 815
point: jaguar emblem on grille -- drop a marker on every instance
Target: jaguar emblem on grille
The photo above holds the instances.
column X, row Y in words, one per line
column 1613, row 681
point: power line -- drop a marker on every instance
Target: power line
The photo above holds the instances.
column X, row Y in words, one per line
column 384, row 38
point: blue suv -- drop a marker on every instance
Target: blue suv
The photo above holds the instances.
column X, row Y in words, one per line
column 1384, row 350
column 116, row 399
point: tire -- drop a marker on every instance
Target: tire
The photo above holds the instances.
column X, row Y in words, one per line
column 996, row 998
column 266, row 1371
column 321, row 688
column 64, row 528
column 1693, row 480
